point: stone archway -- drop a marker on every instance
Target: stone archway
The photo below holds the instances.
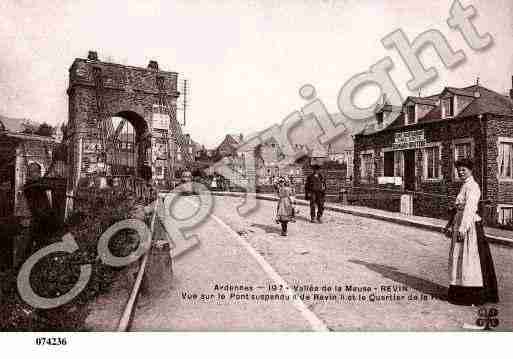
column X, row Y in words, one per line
column 128, row 146
column 99, row 91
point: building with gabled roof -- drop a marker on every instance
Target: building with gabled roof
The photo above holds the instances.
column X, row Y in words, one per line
column 409, row 156
column 20, row 153
column 229, row 144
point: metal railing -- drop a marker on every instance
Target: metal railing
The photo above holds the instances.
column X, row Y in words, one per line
column 139, row 187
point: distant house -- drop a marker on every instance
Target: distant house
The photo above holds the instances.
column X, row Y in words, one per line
column 191, row 147
column 20, row 153
column 229, row 145
column 340, row 150
column 271, row 162
column 234, row 160
column 268, row 156
column 161, row 164
column 205, row 155
column 24, row 157
column 342, row 155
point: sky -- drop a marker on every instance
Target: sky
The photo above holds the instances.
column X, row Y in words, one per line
column 245, row 60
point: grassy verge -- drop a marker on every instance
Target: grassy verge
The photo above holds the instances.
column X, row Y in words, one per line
column 57, row 273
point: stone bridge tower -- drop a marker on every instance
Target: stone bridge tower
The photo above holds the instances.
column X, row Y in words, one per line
column 144, row 97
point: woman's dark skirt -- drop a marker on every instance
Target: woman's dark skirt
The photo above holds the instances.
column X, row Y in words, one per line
column 488, row 293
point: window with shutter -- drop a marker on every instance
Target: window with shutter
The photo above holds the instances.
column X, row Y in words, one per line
column 410, row 114
column 432, row 165
column 388, row 164
column 462, row 148
column 436, row 154
column 462, row 151
column 448, row 107
column 367, row 167
column 505, row 214
column 398, row 163
column 505, row 160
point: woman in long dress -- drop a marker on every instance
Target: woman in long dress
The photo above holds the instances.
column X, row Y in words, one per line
column 471, row 269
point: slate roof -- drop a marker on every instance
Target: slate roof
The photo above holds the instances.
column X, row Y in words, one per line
column 373, row 128
column 235, row 137
column 461, row 92
column 485, row 101
column 229, row 140
column 431, row 101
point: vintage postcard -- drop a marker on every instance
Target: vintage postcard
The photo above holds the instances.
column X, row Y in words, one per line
column 259, row 165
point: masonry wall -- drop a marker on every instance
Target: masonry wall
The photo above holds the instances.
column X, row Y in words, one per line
column 433, row 197
column 500, row 191
column 22, row 152
column 29, row 151
column 126, row 91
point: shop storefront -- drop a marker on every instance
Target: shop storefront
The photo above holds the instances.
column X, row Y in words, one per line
column 407, row 164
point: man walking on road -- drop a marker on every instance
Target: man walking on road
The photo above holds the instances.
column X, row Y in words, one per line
column 315, row 189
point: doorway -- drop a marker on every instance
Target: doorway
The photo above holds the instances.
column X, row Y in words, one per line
column 409, row 170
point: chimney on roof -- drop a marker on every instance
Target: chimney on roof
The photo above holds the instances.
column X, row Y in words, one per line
column 241, row 137
column 92, row 55
column 379, row 119
column 154, row 65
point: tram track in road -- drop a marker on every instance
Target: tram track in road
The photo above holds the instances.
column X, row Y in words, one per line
column 313, row 320
column 225, row 258
column 170, row 312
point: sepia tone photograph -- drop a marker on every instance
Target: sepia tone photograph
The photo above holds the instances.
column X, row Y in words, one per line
column 255, row 166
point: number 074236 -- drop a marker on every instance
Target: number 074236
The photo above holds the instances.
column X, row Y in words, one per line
column 51, row 341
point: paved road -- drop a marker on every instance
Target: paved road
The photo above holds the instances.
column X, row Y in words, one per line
column 221, row 259
column 385, row 264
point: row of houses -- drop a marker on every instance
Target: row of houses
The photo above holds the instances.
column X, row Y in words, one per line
column 270, row 161
column 160, row 161
column 403, row 158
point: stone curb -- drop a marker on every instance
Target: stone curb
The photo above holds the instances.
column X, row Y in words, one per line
column 402, row 221
column 128, row 312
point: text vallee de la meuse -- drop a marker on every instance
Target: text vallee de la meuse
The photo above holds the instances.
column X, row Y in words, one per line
column 319, row 288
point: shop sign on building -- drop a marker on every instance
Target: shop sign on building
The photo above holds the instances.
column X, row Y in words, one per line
column 160, row 118
column 160, row 150
column 409, row 140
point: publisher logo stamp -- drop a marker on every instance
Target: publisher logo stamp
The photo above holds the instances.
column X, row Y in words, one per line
column 488, row 318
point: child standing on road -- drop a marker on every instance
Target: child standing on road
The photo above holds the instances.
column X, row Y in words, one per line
column 285, row 209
